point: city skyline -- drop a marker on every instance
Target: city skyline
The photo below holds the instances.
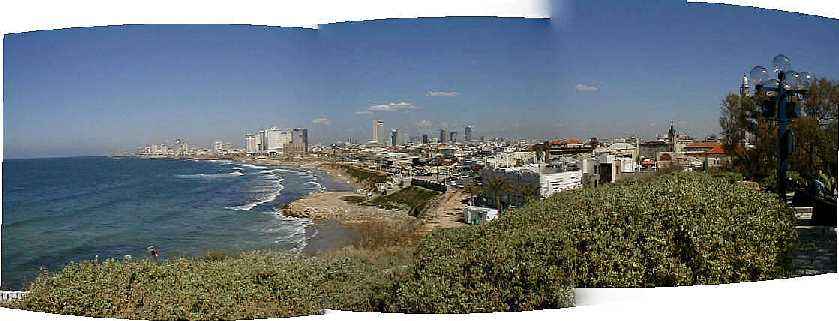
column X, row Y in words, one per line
column 590, row 71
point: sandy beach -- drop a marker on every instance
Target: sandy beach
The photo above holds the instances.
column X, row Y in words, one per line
column 334, row 216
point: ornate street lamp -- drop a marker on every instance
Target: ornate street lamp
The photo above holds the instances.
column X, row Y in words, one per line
column 784, row 94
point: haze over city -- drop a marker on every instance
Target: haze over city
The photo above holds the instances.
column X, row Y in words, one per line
column 594, row 69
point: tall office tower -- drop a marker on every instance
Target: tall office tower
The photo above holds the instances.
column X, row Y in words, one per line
column 250, row 144
column 276, row 138
column 261, row 141
column 467, row 134
column 218, row 147
column 378, row 131
column 425, row 138
column 442, row 136
column 401, row 137
column 394, row 137
column 300, row 139
column 453, row 137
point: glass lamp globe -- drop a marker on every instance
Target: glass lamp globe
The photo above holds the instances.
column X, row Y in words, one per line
column 791, row 79
column 758, row 75
column 780, row 63
column 806, row 79
column 770, row 83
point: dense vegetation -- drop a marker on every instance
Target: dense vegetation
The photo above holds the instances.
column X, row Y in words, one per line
column 253, row 285
column 676, row 229
column 816, row 136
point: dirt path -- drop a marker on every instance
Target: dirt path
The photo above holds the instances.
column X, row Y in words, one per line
column 447, row 213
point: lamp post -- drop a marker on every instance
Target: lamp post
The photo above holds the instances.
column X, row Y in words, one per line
column 782, row 105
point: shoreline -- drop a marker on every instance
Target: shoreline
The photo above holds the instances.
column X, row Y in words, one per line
column 335, row 220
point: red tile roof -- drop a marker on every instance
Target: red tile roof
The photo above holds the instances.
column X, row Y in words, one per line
column 709, row 145
column 717, row 150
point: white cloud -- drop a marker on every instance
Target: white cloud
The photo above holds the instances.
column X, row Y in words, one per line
column 400, row 106
column 425, row 124
column 586, row 87
column 363, row 112
column 321, row 121
column 441, row 93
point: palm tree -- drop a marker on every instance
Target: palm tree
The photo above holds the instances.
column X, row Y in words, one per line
column 496, row 185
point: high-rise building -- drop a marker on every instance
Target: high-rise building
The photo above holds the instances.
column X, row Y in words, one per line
column 453, row 137
column 378, row 132
column 467, row 134
column 218, row 147
column 394, row 137
column 299, row 143
column 442, row 136
column 261, row 140
column 425, row 138
column 276, row 138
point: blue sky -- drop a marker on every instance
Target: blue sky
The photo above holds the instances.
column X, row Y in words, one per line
column 594, row 69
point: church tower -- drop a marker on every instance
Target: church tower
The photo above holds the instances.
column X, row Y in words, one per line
column 671, row 136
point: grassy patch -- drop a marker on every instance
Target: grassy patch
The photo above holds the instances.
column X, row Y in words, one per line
column 366, row 176
column 354, row 199
column 413, row 198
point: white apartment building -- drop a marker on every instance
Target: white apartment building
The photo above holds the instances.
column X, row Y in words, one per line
column 550, row 184
column 251, row 145
column 378, row 132
column 275, row 139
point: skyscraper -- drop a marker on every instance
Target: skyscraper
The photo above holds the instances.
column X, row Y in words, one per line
column 453, row 137
column 425, row 138
column 378, row 132
column 276, row 138
column 467, row 134
column 394, row 137
column 442, row 136
column 251, row 146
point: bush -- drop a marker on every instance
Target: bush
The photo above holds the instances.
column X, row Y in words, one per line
column 481, row 269
column 254, row 285
column 677, row 229
column 732, row 177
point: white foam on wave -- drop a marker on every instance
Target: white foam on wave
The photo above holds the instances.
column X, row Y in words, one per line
column 296, row 229
column 316, row 184
column 253, row 166
column 222, row 161
column 272, row 195
column 216, row 175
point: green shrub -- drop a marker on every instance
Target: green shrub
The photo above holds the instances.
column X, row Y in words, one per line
column 254, row 285
column 679, row 229
column 479, row 269
column 676, row 229
column 729, row 176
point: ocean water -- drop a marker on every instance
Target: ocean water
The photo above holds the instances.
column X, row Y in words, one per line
column 69, row 209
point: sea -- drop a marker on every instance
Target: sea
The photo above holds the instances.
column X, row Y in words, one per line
column 58, row 210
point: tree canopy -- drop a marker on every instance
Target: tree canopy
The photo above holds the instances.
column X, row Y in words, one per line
column 751, row 138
